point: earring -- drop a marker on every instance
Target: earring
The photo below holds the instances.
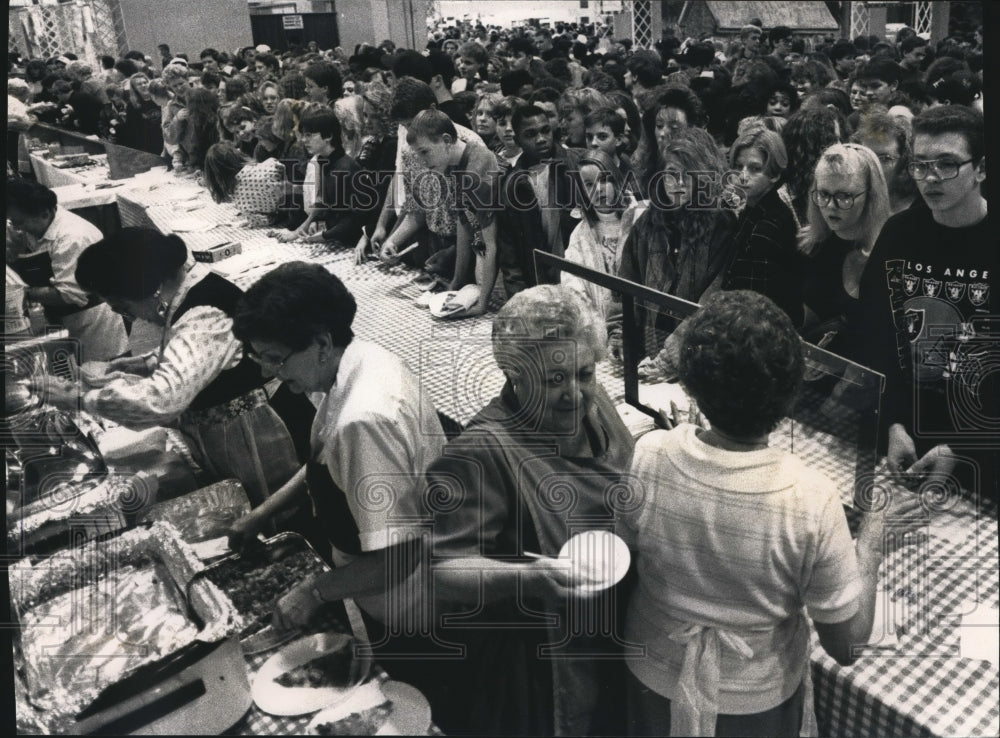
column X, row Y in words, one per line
column 162, row 307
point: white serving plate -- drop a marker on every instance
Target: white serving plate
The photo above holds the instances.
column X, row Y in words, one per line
column 275, row 699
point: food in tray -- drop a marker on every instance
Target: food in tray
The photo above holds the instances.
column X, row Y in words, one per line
column 254, row 586
column 330, row 670
column 363, row 722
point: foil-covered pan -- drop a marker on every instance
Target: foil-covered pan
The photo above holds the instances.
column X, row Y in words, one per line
column 107, row 611
column 203, row 514
column 66, row 509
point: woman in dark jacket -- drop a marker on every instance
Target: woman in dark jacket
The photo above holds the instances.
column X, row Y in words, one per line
column 683, row 242
column 142, row 128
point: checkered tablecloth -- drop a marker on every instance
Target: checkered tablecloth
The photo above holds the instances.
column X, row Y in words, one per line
column 923, row 686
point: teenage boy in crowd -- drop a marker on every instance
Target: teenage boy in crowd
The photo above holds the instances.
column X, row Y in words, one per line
column 473, row 170
column 606, row 132
column 538, row 195
column 328, row 188
column 928, row 293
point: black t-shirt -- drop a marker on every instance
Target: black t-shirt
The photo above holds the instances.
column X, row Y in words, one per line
column 928, row 306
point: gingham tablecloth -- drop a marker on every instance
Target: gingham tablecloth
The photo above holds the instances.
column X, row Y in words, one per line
column 923, row 686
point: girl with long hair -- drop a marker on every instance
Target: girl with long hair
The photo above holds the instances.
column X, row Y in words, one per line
column 256, row 189
column 195, row 128
column 683, row 241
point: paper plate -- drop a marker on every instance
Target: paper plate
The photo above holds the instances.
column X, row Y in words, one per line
column 597, row 555
column 452, row 303
column 410, row 712
column 273, row 698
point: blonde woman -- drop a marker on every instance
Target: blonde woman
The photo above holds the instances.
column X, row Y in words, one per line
column 848, row 204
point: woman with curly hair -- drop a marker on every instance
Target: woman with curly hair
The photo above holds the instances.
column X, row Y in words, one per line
column 720, row 602
column 292, row 86
column 496, row 68
column 285, row 128
column 573, row 107
column 683, row 241
column 807, row 76
column 806, row 135
column 195, row 128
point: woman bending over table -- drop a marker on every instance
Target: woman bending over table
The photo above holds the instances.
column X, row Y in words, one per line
column 200, row 378
column 734, row 540
column 373, row 436
column 542, row 461
column 257, row 190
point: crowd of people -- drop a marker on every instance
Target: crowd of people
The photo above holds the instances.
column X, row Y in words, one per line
column 817, row 189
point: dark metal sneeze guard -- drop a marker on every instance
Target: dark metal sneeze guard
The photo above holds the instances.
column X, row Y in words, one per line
column 860, row 417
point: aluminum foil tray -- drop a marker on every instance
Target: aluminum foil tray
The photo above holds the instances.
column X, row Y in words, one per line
column 203, row 514
column 92, row 504
column 92, row 616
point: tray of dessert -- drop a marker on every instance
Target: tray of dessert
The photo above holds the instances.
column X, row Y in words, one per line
column 112, row 638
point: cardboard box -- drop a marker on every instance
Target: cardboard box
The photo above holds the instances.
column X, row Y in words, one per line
column 218, row 253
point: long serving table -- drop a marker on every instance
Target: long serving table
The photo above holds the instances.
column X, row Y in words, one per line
column 915, row 682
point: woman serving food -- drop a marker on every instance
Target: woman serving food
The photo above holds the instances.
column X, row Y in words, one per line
column 199, row 378
column 373, row 436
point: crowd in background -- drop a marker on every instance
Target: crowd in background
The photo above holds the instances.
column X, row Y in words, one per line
column 840, row 179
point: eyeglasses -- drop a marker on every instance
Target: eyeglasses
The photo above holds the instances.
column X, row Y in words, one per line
column 272, row 365
column 842, row 200
column 888, row 158
column 942, row 168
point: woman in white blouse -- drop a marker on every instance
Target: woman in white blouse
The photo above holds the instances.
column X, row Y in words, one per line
column 200, row 379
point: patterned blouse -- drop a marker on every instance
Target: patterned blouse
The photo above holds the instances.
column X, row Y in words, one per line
column 193, row 351
column 259, row 191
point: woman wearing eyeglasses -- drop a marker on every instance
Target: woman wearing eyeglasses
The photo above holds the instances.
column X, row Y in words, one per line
column 200, row 379
column 848, row 204
column 374, row 434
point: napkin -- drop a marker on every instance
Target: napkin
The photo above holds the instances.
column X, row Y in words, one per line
column 979, row 633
